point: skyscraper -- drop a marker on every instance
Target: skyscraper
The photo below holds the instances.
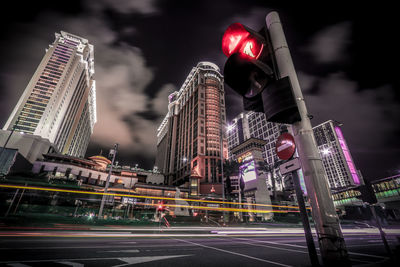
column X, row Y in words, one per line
column 190, row 137
column 336, row 157
column 252, row 124
column 59, row 102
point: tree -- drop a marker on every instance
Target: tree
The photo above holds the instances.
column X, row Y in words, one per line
column 231, row 168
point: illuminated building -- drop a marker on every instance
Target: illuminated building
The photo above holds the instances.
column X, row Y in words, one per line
column 255, row 125
column 93, row 172
column 336, row 157
column 249, row 156
column 189, row 137
column 59, row 102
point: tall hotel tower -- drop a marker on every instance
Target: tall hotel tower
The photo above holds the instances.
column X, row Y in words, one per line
column 336, row 157
column 190, row 139
column 59, row 103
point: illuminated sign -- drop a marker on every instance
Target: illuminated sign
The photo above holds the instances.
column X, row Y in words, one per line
column 245, row 157
column 347, row 156
column 248, row 171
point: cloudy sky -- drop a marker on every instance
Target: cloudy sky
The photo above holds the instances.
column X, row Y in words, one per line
column 345, row 58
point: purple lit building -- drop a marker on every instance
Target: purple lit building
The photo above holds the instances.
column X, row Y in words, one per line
column 336, row 157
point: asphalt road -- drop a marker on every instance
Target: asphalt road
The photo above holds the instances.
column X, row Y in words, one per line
column 34, row 248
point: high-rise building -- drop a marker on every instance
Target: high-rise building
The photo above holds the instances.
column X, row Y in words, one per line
column 254, row 124
column 190, row 138
column 59, row 102
column 336, row 157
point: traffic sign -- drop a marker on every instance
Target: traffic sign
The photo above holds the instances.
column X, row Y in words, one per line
column 291, row 165
column 285, row 146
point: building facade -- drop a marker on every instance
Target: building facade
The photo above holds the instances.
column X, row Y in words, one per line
column 336, row 157
column 337, row 160
column 255, row 125
column 189, row 139
column 59, row 102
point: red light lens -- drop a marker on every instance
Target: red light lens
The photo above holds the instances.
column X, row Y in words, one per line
column 237, row 39
column 233, row 38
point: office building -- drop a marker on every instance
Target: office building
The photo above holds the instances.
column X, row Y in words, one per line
column 336, row 157
column 189, row 139
column 59, row 102
column 255, row 125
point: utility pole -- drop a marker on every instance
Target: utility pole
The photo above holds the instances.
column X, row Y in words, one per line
column 114, row 152
column 330, row 237
column 222, row 165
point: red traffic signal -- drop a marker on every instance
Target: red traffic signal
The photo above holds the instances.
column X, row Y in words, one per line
column 160, row 206
column 240, row 39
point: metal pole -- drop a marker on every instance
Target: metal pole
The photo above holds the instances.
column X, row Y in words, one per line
column 12, row 202
column 382, row 233
column 312, row 252
column 19, row 200
column 330, row 237
column 107, row 183
column 222, row 169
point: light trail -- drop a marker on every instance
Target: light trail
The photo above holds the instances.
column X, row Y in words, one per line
column 166, row 198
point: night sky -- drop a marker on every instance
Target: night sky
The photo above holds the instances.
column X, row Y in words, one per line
column 346, row 59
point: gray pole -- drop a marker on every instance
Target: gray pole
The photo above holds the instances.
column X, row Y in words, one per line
column 330, row 237
column 222, row 166
column 12, row 202
column 107, row 183
column 312, row 252
column 381, row 232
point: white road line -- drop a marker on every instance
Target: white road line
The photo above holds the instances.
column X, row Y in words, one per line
column 135, row 260
column 120, row 251
column 290, row 245
column 266, row 246
column 70, row 263
column 273, row 243
column 234, row 253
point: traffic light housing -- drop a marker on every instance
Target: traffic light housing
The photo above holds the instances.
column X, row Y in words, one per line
column 250, row 71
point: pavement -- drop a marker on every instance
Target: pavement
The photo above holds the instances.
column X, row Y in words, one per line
column 239, row 247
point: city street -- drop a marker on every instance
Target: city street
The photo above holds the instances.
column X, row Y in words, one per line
column 179, row 247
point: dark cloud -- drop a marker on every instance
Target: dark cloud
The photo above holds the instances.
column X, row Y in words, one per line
column 144, row 51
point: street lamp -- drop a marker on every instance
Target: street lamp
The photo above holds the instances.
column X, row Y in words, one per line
column 114, row 152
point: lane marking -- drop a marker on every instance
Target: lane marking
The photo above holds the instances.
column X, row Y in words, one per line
column 129, row 260
column 73, row 264
column 273, row 243
column 135, row 260
column 266, row 246
column 121, row 251
column 290, row 245
column 234, row 253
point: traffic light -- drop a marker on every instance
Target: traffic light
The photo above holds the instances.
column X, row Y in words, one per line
column 250, row 71
column 160, row 206
column 367, row 193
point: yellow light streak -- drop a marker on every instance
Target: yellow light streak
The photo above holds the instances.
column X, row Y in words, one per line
column 149, row 197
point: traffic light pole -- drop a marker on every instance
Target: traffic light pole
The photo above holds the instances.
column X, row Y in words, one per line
column 330, row 237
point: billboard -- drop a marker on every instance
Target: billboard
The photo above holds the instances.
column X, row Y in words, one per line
column 248, row 171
